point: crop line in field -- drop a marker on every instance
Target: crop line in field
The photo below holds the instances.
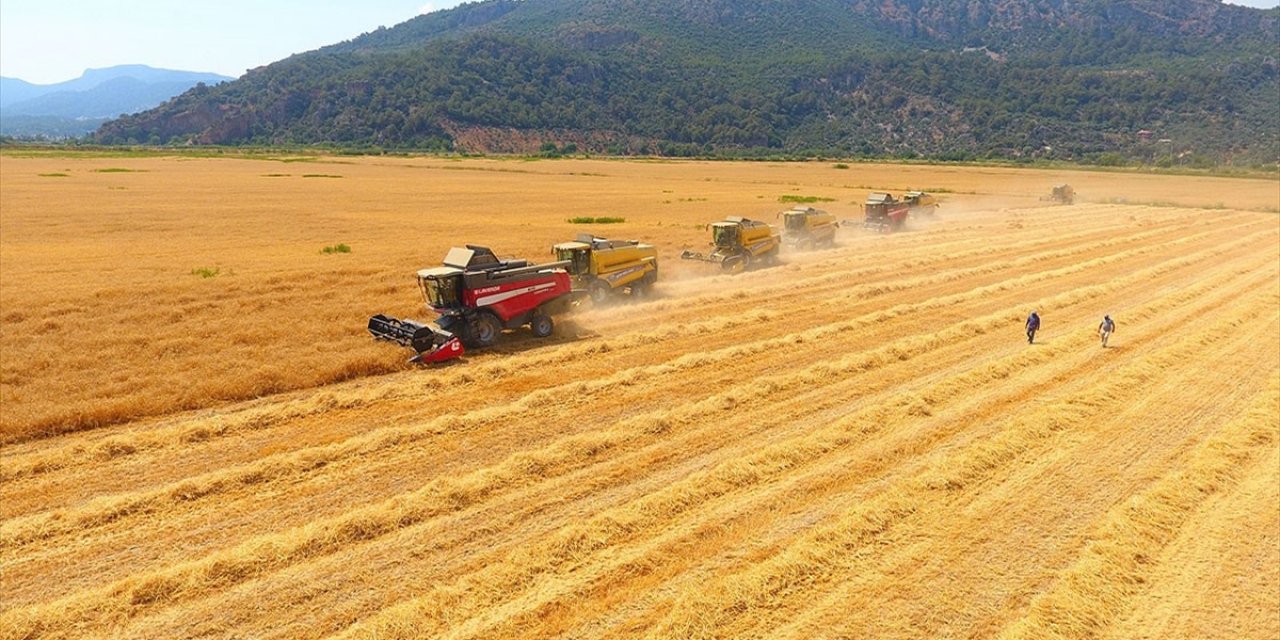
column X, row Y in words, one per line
column 1137, row 318
column 805, row 562
column 239, row 563
column 1083, row 439
column 222, row 425
column 937, row 254
column 1113, row 566
column 443, row 606
column 467, row 489
column 107, row 509
column 798, row 288
column 909, row 407
column 816, row 380
column 123, row 446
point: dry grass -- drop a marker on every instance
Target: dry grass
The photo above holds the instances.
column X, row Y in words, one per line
column 99, row 281
column 854, row 444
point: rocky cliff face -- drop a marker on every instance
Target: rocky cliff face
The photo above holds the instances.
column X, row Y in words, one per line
column 1025, row 21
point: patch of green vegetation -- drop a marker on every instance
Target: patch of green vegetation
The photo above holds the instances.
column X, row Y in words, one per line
column 596, row 220
column 492, row 169
column 550, row 150
column 206, row 272
column 840, row 165
column 319, row 175
column 692, row 199
column 275, row 175
column 53, row 175
column 336, row 248
column 804, row 199
column 119, row 170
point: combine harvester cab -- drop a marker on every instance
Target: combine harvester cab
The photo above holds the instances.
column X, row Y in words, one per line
column 806, row 228
column 604, row 268
column 739, row 243
column 920, row 204
column 477, row 296
column 885, row 214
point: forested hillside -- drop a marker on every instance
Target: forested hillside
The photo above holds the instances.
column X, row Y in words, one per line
column 947, row 79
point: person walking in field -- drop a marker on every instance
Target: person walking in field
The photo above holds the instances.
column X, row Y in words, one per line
column 1105, row 329
column 1033, row 325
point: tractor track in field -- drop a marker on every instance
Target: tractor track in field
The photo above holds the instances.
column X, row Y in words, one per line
column 22, row 463
column 189, row 491
column 742, row 456
column 605, row 531
column 183, row 442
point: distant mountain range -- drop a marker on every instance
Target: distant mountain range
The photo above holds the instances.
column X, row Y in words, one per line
column 77, row 107
column 1082, row 80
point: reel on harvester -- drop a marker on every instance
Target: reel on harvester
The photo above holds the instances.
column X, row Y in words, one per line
column 430, row 343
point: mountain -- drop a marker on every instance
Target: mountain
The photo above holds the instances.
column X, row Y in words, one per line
column 79, row 106
column 948, row 79
column 15, row 90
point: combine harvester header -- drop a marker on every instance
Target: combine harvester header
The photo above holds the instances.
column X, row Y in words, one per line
column 476, row 296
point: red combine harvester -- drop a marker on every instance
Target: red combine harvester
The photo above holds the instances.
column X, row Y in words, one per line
column 885, row 214
column 477, row 296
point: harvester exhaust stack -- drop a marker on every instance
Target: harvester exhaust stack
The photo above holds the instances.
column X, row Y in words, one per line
column 432, row 344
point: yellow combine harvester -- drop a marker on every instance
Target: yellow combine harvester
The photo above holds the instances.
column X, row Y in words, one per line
column 921, row 203
column 1062, row 194
column 603, row 268
column 806, row 228
column 739, row 244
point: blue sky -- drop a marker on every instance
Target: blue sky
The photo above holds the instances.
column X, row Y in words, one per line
column 46, row 41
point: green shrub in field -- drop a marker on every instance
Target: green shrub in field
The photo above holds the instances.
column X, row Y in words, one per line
column 336, row 248
column 206, row 272
column 841, row 165
column 599, row 220
column 804, row 199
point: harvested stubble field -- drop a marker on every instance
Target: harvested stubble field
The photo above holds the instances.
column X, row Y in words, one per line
column 201, row 440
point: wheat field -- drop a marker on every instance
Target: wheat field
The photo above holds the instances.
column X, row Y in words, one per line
column 201, row 440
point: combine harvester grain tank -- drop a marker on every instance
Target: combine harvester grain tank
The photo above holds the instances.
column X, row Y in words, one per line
column 739, row 243
column 920, row 204
column 475, row 296
column 605, row 268
column 805, row 228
